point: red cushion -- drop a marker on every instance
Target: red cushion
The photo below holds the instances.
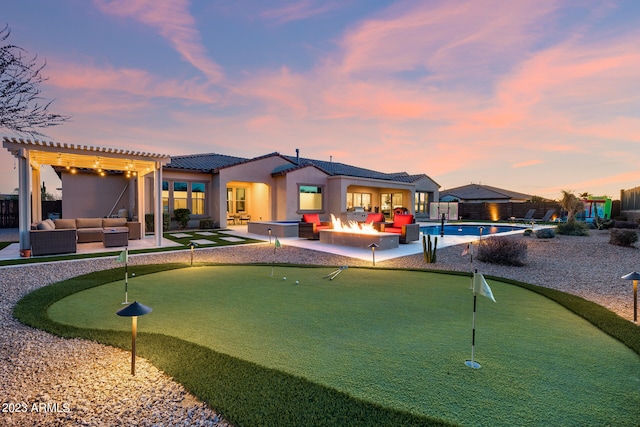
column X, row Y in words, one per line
column 311, row 218
column 397, row 230
column 400, row 220
column 374, row 217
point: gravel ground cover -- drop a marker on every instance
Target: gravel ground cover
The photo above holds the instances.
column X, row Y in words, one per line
column 49, row 381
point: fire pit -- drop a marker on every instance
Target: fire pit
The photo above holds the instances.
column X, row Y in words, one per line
column 359, row 240
column 358, row 235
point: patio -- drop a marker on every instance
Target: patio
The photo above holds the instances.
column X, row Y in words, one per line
column 148, row 242
column 12, row 252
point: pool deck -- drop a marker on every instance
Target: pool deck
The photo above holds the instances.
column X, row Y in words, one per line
column 366, row 254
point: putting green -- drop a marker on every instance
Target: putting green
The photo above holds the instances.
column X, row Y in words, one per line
column 397, row 338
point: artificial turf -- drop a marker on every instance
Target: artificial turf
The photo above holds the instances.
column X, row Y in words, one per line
column 392, row 338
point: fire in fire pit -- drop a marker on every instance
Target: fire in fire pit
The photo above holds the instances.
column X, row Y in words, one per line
column 357, row 235
column 352, row 226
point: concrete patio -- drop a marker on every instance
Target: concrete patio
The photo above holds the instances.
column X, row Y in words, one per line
column 11, row 252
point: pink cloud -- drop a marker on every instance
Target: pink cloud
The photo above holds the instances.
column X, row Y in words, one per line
column 282, row 91
column 134, row 82
column 600, row 185
column 300, row 10
column 565, row 81
column 174, row 22
column 438, row 35
column 527, row 163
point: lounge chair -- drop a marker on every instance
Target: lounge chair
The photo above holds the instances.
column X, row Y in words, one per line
column 528, row 217
column 405, row 226
column 310, row 226
column 547, row 216
column 374, row 218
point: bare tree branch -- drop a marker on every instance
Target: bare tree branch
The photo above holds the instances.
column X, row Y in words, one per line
column 22, row 109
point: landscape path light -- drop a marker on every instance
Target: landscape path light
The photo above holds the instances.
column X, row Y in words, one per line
column 373, row 247
column 134, row 310
column 192, row 246
column 635, row 276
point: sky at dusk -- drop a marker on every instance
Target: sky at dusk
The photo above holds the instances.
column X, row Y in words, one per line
column 535, row 96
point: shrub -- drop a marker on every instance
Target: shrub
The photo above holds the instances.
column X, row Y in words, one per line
column 503, row 251
column 206, row 224
column 625, row 224
column 183, row 215
column 603, row 224
column 545, row 233
column 573, row 228
column 623, row 237
column 149, row 219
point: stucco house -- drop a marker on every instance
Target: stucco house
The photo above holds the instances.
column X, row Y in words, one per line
column 272, row 187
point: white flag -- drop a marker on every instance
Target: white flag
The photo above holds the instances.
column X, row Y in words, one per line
column 481, row 286
column 123, row 257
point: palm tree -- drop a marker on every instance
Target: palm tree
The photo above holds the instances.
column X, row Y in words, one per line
column 571, row 204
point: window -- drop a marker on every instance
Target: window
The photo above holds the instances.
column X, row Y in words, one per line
column 184, row 195
column 165, row 197
column 179, row 195
column 310, row 198
column 229, row 199
column 197, row 198
column 390, row 201
column 359, row 200
column 422, row 202
column 241, row 199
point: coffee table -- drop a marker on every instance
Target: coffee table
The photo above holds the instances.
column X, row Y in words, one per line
column 112, row 238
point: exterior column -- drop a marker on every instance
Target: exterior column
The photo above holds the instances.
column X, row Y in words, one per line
column 140, row 205
column 157, row 201
column 24, row 201
column 36, row 194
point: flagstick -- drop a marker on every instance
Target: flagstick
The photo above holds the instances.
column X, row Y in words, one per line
column 126, row 276
column 471, row 363
column 275, row 246
column 273, row 262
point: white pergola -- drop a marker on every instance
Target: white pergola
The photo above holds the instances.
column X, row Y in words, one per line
column 32, row 154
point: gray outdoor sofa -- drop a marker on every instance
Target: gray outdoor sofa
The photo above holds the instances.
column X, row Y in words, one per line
column 61, row 236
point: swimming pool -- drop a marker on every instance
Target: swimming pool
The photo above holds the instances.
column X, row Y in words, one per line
column 469, row 229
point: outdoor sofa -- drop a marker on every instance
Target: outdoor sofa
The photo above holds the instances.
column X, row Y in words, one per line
column 60, row 236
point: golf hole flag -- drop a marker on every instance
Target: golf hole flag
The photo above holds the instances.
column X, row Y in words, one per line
column 480, row 286
column 124, row 256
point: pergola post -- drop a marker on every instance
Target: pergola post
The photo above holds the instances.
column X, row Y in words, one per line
column 36, row 194
column 157, row 201
column 140, row 208
column 24, row 201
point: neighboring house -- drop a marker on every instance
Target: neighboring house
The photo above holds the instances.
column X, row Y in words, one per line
column 477, row 193
column 273, row 187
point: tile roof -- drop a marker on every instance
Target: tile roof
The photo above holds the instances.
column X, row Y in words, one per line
column 214, row 162
column 337, row 168
column 482, row 192
column 203, row 162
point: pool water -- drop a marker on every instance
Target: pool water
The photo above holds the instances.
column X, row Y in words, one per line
column 468, row 230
